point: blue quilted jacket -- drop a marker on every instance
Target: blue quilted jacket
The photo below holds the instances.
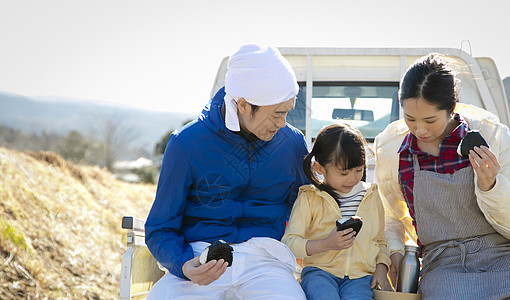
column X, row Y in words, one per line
column 216, row 184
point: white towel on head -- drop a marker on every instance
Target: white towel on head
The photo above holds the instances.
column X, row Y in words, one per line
column 231, row 119
column 260, row 75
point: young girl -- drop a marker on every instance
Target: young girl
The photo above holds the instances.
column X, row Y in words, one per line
column 338, row 264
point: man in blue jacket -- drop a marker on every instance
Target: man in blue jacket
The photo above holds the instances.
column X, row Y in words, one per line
column 232, row 174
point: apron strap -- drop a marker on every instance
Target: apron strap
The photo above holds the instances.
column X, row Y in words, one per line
column 461, row 244
column 416, row 163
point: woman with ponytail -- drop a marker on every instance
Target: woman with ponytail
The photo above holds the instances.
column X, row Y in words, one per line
column 338, row 264
column 452, row 200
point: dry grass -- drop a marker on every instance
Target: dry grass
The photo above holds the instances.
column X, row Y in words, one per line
column 60, row 235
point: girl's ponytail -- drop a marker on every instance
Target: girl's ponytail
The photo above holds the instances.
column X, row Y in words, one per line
column 310, row 174
column 307, row 168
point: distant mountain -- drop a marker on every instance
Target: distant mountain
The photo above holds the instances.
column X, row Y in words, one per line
column 60, row 116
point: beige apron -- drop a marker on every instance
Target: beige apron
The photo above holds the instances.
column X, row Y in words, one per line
column 463, row 256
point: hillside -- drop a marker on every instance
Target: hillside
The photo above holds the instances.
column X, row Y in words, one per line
column 90, row 118
column 61, row 236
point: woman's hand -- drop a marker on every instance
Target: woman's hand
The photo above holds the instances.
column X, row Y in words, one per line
column 381, row 278
column 395, row 262
column 486, row 166
column 204, row 274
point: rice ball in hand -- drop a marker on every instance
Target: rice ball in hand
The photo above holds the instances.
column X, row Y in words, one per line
column 217, row 250
column 354, row 222
column 473, row 138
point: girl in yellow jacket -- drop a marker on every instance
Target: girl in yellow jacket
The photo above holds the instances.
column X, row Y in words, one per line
column 338, row 264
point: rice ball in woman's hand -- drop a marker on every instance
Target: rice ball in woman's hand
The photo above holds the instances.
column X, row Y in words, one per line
column 472, row 139
column 217, row 250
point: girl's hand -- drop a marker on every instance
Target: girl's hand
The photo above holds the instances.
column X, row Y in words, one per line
column 380, row 278
column 395, row 262
column 336, row 240
column 486, row 166
column 340, row 240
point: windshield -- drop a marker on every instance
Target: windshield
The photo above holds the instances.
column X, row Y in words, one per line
column 370, row 107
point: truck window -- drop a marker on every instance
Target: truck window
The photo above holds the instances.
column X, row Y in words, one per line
column 368, row 106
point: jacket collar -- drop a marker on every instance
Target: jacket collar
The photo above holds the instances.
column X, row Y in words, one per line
column 213, row 116
column 312, row 188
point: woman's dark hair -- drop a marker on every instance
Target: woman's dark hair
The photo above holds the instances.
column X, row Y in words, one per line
column 341, row 145
column 431, row 79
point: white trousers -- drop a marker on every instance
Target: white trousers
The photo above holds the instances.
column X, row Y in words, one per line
column 262, row 268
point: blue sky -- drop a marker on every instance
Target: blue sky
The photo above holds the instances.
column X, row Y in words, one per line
column 163, row 55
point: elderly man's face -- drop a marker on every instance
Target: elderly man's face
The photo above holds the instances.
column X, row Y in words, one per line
column 265, row 122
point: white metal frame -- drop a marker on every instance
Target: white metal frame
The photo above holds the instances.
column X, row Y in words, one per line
column 135, row 238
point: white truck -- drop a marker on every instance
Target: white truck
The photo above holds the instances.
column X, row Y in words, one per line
column 357, row 85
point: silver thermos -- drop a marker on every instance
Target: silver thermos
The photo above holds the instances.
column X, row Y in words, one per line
column 409, row 271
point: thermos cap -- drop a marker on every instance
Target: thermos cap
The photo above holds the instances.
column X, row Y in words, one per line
column 411, row 248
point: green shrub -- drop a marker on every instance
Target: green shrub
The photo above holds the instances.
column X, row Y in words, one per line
column 11, row 233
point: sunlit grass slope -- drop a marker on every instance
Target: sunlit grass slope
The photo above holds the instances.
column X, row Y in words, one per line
column 60, row 234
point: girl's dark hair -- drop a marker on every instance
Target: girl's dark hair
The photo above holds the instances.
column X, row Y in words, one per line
column 341, row 145
column 431, row 79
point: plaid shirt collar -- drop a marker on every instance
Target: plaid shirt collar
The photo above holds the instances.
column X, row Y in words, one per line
column 410, row 142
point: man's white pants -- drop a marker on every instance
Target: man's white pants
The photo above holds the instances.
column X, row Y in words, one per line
column 261, row 269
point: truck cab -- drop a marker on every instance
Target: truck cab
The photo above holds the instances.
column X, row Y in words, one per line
column 360, row 86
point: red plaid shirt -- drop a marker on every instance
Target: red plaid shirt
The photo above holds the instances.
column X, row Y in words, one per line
column 448, row 161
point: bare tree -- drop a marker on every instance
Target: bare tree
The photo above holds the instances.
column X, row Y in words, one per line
column 117, row 138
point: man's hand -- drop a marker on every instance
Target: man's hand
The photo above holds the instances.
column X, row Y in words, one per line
column 204, row 274
column 395, row 262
